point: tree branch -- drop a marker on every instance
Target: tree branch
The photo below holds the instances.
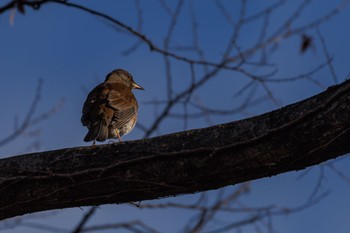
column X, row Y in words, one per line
column 291, row 138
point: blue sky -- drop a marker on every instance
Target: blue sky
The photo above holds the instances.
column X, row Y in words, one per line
column 72, row 51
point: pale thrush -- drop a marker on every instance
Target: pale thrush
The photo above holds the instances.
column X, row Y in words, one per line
column 111, row 109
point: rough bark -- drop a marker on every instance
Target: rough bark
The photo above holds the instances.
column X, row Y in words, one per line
column 291, row 138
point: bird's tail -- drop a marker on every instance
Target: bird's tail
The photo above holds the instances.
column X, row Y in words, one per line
column 99, row 132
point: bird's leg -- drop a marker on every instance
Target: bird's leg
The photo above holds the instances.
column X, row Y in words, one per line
column 93, row 142
column 120, row 140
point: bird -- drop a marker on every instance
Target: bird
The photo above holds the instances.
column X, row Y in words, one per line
column 111, row 109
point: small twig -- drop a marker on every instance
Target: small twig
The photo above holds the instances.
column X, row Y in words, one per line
column 328, row 57
column 79, row 228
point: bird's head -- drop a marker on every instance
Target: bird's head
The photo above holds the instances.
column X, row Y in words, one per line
column 122, row 76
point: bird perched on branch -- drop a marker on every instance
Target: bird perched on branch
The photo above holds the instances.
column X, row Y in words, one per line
column 110, row 109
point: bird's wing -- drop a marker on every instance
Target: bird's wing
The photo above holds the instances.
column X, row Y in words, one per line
column 121, row 99
column 96, row 97
column 97, row 114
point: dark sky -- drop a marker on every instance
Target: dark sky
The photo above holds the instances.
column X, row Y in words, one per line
column 72, row 51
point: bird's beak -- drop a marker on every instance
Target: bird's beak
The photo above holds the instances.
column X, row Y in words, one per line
column 137, row 86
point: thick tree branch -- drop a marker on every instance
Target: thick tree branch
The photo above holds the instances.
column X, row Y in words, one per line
column 291, row 138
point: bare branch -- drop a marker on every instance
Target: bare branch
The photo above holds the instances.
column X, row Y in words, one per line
column 173, row 164
column 341, row 174
column 328, row 57
column 84, row 220
column 133, row 226
column 29, row 120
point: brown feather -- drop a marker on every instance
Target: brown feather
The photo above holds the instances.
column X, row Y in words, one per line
column 110, row 108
